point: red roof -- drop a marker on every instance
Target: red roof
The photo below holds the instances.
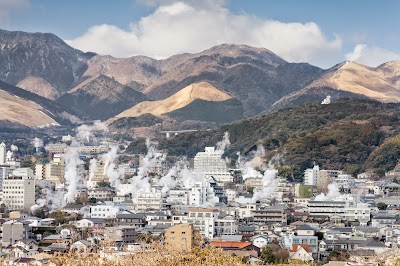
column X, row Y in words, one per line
column 230, row 244
column 295, row 247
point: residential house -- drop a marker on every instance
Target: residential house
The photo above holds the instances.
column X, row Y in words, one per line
column 260, row 240
column 243, row 249
column 300, row 252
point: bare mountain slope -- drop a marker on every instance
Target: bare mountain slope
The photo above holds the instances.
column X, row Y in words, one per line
column 17, row 110
column 381, row 83
column 199, row 91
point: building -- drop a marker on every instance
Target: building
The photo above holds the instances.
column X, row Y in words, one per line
column 5, row 171
column 204, row 219
column 149, row 200
column 347, row 210
column 106, row 211
column 226, row 225
column 182, row 236
column 19, row 192
column 122, row 234
column 101, row 193
column 13, row 231
column 269, row 215
column 301, row 252
column 52, row 171
column 210, row 164
column 3, row 153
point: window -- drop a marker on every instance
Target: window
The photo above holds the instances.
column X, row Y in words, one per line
column 172, row 232
column 183, row 233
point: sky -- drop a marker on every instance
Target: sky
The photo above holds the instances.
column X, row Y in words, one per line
column 322, row 33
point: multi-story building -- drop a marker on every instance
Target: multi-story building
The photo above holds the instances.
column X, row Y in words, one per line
column 52, row 171
column 149, row 200
column 210, row 164
column 202, row 193
column 19, row 191
column 121, row 234
column 182, row 237
column 5, row 170
column 101, row 193
column 226, row 225
column 56, row 147
column 204, row 219
column 107, row 211
column 318, row 177
column 13, row 231
column 270, row 214
column 254, row 182
column 348, row 210
column 179, row 196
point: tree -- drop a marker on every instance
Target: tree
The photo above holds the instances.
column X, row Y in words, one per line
column 338, row 255
column 267, row 255
column 92, row 200
column 381, row 206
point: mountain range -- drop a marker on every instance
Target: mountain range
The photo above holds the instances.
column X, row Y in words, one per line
column 222, row 84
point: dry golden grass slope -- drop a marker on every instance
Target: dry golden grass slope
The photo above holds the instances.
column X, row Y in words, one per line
column 18, row 110
column 197, row 91
column 381, row 83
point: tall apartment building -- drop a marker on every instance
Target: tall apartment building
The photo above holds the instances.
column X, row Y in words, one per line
column 209, row 163
column 19, row 191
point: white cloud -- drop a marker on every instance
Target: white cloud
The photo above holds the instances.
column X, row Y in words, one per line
column 177, row 27
column 6, row 6
column 371, row 55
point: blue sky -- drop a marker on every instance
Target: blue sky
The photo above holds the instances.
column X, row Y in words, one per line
column 315, row 31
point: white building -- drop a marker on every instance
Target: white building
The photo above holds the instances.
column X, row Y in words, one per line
column 348, row 210
column 19, row 192
column 106, row 211
column 149, row 200
column 311, row 176
column 209, row 163
column 5, row 170
column 202, row 193
column 179, row 196
column 204, row 219
column 3, row 153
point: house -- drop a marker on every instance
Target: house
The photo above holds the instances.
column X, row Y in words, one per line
column 300, row 252
column 83, row 246
column 243, row 249
column 25, row 248
column 260, row 240
column 90, row 223
column 54, row 239
column 55, row 248
column 305, row 230
column 23, row 262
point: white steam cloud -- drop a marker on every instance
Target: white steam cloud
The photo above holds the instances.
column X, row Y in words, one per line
column 192, row 26
column 371, row 55
column 333, row 193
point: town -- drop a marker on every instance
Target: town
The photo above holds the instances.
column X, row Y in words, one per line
column 83, row 191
